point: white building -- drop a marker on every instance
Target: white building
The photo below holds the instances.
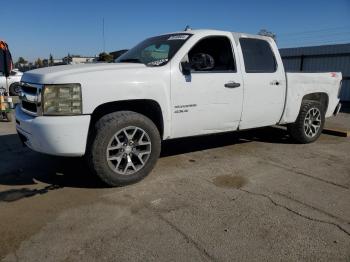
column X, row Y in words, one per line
column 79, row 59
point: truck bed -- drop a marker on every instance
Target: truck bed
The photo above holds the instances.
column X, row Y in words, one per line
column 299, row 84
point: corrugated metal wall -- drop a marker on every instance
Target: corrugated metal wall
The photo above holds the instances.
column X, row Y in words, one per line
column 328, row 58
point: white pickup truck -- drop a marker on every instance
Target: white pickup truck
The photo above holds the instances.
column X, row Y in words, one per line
column 174, row 85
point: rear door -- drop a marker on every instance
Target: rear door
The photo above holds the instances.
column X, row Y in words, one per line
column 264, row 83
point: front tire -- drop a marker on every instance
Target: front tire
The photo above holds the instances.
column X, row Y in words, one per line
column 309, row 124
column 125, row 147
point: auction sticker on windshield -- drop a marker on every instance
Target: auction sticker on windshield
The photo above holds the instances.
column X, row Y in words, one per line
column 158, row 62
column 178, row 37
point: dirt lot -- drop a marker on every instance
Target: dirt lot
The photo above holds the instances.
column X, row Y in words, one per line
column 247, row 196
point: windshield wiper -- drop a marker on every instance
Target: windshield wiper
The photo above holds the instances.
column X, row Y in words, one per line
column 130, row 60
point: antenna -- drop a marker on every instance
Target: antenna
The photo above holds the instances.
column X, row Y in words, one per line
column 188, row 28
column 103, row 34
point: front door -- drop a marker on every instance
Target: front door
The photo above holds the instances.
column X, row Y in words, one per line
column 209, row 100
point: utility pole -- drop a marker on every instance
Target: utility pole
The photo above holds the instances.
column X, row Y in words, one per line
column 103, row 34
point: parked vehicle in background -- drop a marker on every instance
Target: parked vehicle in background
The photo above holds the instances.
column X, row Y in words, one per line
column 170, row 86
column 13, row 82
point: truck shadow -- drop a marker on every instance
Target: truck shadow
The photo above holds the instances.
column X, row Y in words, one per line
column 20, row 166
column 17, row 194
column 276, row 135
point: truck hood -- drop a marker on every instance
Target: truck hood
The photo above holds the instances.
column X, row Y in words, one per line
column 53, row 75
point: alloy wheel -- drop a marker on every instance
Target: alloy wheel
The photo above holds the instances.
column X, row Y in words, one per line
column 128, row 150
column 312, row 122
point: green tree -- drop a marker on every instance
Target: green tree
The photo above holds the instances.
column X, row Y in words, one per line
column 21, row 62
column 265, row 32
column 105, row 57
column 39, row 63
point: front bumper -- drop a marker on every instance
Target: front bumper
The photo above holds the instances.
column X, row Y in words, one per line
column 53, row 135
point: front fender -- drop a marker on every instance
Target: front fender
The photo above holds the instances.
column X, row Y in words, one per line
column 154, row 84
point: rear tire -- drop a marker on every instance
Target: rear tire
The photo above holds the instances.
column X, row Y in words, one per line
column 125, row 147
column 309, row 124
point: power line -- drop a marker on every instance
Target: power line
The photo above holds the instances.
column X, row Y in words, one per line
column 315, row 31
column 333, row 35
column 340, row 41
column 315, row 36
column 325, row 40
column 103, row 34
column 319, row 38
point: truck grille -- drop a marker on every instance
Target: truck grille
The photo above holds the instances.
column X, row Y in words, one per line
column 28, row 89
column 29, row 106
column 30, row 97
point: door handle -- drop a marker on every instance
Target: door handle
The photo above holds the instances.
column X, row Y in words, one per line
column 232, row 85
column 275, row 83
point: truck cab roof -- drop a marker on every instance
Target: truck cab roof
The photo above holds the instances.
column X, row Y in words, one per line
column 236, row 35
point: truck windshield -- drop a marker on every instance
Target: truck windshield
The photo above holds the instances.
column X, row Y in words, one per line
column 155, row 51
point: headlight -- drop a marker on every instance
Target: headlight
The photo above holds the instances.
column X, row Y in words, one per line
column 62, row 99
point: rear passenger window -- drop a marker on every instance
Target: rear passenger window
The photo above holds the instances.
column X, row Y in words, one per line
column 258, row 56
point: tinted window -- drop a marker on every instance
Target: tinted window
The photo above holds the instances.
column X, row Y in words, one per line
column 220, row 49
column 258, row 56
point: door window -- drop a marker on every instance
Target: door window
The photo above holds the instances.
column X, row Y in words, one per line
column 215, row 53
column 258, row 56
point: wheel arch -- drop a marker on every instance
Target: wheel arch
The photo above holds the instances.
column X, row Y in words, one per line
column 321, row 97
column 147, row 107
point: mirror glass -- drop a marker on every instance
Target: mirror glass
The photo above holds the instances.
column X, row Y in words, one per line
column 202, row 62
